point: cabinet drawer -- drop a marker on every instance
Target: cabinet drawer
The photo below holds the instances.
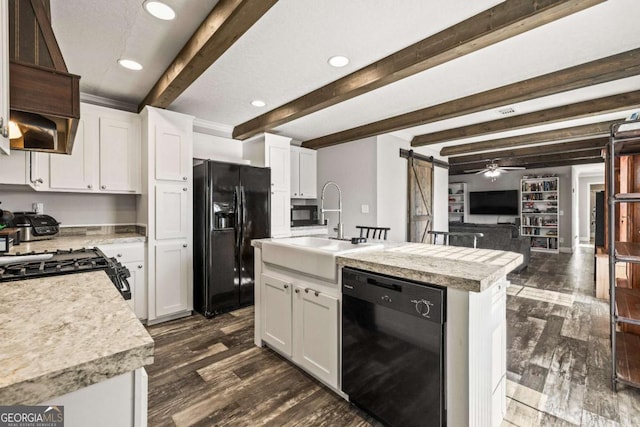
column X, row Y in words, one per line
column 125, row 252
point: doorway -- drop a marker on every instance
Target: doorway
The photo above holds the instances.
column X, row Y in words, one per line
column 593, row 189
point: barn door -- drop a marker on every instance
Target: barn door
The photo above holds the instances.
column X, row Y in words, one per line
column 420, row 200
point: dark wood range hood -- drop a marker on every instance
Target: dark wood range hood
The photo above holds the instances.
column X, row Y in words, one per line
column 44, row 96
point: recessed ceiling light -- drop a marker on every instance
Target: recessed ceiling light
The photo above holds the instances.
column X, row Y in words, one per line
column 338, row 61
column 159, row 10
column 258, row 103
column 130, row 64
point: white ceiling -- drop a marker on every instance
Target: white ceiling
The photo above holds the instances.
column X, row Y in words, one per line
column 283, row 56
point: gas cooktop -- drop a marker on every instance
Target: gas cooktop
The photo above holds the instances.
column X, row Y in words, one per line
column 42, row 264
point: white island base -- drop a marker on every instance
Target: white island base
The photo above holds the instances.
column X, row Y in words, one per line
column 118, row 401
column 475, row 329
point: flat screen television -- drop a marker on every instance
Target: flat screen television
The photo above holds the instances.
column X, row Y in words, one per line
column 504, row 202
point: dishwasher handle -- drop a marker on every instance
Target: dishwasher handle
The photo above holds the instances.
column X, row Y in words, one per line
column 391, row 286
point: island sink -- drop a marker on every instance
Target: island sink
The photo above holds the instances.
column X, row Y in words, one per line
column 315, row 256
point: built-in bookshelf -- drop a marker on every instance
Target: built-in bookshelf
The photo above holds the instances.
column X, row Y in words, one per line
column 539, row 212
column 457, row 201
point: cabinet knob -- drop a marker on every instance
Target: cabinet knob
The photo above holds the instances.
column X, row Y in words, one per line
column 89, row 186
column 184, row 189
column 104, row 187
column 286, row 286
column 297, row 291
column 273, row 192
column 184, row 178
column 295, row 194
column 272, row 184
column 302, row 194
column 140, row 266
column 119, row 255
column 184, row 245
column 316, row 292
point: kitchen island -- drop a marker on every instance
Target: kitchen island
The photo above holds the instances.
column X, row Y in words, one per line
column 299, row 315
column 72, row 340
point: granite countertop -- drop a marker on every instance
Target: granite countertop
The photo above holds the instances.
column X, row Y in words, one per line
column 77, row 242
column 468, row 269
column 61, row 333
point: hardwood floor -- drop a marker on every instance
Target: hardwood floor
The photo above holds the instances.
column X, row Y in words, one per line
column 558, row 355
column 209, row 372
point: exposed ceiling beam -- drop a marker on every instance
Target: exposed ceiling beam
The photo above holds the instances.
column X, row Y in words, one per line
column 508, row 19
column 228, row 20
column 585, row 131
column 523, row 161
column 542, row 164
column 608, row 104
column 603, row 70
column 565, row 147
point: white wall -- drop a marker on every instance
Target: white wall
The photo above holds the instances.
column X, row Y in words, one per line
column 511, row 181
column 75, row 209
column 392, row 186
column 372, row 172
column 353, row 167
column 216, row 148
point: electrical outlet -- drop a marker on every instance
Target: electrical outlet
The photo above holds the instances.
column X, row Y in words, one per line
column 561, row 213
column 364, row 209
column 561, row 239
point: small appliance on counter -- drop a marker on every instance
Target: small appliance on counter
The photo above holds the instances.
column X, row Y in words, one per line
column 303, row 215
column 34, row 226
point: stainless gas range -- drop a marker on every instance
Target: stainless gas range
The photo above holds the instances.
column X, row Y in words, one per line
column 43, row 264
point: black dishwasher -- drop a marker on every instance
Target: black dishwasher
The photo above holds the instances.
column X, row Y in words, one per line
column 393, row 348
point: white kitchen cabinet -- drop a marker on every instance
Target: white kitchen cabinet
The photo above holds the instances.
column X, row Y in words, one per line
column 131, row 255
column 172, row 162
column 278, row 159
column 166, row 208
column 172, row 278
column 273, row 151
column 4, row 78
column 105, row 156
column 14, row 167
column 300, row 320
column 276, row 313
column 315, row 333
column 304, row 178
column 119, row 154
column 172, row 211
column 280, row 213
column 75, row 171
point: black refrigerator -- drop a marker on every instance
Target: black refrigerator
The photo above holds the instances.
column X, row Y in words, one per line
column 230, row 208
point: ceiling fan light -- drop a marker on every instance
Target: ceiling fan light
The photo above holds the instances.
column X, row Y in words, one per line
column 492, row 173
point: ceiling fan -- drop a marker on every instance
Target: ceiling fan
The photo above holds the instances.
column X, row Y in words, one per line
column 493, row 170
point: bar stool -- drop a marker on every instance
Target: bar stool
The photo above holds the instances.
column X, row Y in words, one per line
column 447, row 234
column 376, row 232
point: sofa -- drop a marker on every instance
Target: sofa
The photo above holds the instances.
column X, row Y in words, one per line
column 505, row 237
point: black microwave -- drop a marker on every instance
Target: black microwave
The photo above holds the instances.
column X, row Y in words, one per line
column 304, row 215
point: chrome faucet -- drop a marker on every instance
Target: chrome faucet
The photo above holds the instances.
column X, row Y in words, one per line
column 339, row 210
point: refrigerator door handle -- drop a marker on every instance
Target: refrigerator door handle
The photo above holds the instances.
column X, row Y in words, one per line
column 244, row 213
column 236, row 203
